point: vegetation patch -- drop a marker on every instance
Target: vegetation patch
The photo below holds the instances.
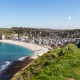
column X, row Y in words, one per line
column 57, row 64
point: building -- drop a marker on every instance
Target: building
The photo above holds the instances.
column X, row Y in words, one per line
column 3, row 37
column 15, row 36
column 0, row 36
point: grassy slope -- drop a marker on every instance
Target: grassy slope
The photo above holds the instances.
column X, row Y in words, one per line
column 58, row 64
column 5, row 31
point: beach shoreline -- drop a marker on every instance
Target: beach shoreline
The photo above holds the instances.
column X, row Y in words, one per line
column 16, row 66
column 38, row 50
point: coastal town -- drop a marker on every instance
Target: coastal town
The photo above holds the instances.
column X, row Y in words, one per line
column 51, row 42
column 38, row 44
column 39, row 39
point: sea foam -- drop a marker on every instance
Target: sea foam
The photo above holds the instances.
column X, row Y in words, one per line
column 22, row 58
column 3, row 67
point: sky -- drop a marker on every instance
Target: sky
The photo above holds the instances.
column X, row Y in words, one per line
column 56, row 14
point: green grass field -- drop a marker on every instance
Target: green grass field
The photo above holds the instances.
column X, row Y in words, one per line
column 58, row 64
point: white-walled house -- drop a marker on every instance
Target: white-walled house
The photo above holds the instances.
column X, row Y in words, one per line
column 3, row 37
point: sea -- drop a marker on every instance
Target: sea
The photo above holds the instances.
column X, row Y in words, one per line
column 10, row 53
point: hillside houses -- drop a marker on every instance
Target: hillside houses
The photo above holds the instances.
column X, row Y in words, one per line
column 14, row 36
column 52, row 41
column 46, row 41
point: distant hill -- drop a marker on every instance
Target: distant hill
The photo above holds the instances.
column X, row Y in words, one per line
column 43, row 32
column 57, row 64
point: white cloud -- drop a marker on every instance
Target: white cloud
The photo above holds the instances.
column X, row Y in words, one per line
column 78, row 14
column 69, row 18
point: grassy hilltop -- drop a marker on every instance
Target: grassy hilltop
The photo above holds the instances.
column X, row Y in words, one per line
column 58, row 64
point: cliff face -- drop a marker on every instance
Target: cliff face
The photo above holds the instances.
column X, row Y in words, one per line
column 57, row 64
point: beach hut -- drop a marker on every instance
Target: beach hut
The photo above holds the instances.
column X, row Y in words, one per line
column 78, row 45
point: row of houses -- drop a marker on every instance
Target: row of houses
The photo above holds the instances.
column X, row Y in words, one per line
column 13, row 37
column 46, row 41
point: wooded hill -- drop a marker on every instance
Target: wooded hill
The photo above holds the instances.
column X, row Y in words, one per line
column 40, row 32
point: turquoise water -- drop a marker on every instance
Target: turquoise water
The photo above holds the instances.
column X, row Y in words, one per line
column 10, row 53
